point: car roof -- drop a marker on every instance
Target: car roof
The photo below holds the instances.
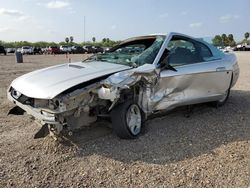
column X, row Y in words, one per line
column 142, row 37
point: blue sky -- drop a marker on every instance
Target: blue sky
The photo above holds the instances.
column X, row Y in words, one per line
column 53, row 20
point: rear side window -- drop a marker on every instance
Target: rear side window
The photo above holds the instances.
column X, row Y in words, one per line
column 205, row 52
column 184, row 51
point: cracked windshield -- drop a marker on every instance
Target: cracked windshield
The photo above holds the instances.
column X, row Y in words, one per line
column 132, row 53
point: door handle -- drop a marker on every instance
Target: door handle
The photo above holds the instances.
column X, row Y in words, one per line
column 218, row 69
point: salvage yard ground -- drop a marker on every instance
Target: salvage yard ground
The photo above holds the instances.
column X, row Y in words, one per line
column 209, row 149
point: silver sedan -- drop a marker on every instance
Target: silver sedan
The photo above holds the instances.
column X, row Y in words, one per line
column 139, row 77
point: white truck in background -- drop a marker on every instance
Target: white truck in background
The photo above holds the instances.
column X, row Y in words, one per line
column 26, row 50
column 243, row 47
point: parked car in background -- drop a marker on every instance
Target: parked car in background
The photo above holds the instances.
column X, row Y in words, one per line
column 2, row 50
column 98, row 49
column 27, row 50
column 135, row 79
column 10, row 50
column 89, row 49
column 53, row 50
column 44, row 50
column 243, row 47
column 19, row 50
column 106, row 49
column 37, row 50
column 78, row 50
column 227, row 49
column 235, row 48
column 65, row 49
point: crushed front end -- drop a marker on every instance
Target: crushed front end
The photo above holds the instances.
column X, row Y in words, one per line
column 66, row 112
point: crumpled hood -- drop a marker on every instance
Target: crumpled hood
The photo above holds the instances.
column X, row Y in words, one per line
column 49, row 82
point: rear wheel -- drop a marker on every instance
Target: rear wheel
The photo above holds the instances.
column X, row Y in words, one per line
column 127, row 119
column 222, row 101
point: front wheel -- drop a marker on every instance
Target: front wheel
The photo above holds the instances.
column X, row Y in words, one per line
column 127, row 119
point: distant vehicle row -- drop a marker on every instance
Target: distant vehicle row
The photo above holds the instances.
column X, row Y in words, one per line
column 54, row 50
column 242, row 47
column 239, row 47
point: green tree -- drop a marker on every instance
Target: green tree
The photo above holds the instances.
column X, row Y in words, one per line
column 93, row 39
column 217, row 40
column 41, row 44
column 246, row 35
column 224, row 39
column 230, row 37
column 231, row 40
column 67, row 40
column 104, row 40
column 71, row 38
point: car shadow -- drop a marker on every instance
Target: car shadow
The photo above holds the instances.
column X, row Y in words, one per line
column 173, row 137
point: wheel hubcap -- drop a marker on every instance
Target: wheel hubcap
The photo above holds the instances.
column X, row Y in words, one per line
column 133, row 119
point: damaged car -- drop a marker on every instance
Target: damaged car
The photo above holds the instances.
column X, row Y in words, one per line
column 133, row 80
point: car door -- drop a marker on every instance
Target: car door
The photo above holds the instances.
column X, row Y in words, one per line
column 199, row 77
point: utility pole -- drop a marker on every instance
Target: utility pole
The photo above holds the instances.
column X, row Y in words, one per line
column 84, row 30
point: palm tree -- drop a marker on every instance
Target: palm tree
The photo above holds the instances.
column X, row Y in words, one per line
column 246, row 35
column 67, row 40
column 71, row 38
column 231, row 37
column 231, row 40
column 224, row 39
column 217, row 40
column 104, row 40
column 94, row 39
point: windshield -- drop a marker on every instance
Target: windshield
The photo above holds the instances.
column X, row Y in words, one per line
column 132, row 53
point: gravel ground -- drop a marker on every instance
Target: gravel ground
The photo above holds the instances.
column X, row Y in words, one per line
column 209, row 149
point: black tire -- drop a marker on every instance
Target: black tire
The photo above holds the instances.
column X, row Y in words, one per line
column 119, row 120
column 224, row 100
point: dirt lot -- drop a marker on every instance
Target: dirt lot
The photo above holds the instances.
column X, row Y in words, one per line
column 209, row 149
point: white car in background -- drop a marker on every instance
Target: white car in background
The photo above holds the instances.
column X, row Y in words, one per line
column 65, row 49
column 243, row 47
column 27, row 50
column 10, row 50
column 19, row 50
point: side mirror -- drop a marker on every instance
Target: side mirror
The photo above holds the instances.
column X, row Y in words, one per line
column 163, row 63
